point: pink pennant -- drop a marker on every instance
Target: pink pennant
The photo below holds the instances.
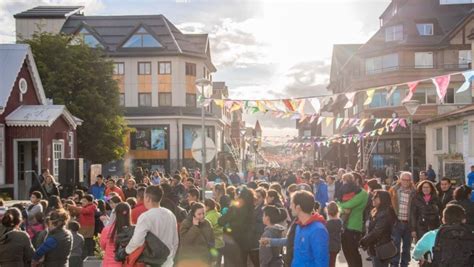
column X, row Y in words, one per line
column 441, row 83
column 411, row 90
column 403, row 123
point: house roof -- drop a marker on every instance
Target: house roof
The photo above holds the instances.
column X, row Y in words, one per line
column 50, row 12
column 341, row 53
column 12, row 57
column 114, row 31
column 467, row 110
column 40, row 116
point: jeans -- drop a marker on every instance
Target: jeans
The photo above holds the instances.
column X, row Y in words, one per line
column 350, row 247
column 376, row 262
column 401, row 233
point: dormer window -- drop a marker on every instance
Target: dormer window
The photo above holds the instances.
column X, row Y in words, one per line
column 87, row 38
column 425, row 29
column 141, row 38
column 394, row 33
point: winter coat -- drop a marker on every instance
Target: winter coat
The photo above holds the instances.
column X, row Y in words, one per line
column 137, row 211
column 424, row 216
column 271, row 256
column 98, row 191
column 259, row 226
column 468, row 206
column 444, row 199
column 16, row 249
column 117, row 190
column 379, row 231
column 311, row 243
column 335, row 230
column 86, row 219
column 195, row 241
column 213, row 217
column 357, row 206
column 321, row 193
column 51, row 189
column 129, row 192
column 240, row 223
column 394, row 192
column 56, row 249
column 108, row 246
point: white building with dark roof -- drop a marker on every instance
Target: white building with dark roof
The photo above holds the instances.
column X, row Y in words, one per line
column 156, row 66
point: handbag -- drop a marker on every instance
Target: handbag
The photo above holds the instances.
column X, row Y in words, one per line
column 155, row 252
column 386, row 251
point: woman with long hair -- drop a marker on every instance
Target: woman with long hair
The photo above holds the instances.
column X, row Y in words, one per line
column 50, row 186
column 382, row 219
column 108, row 240
column 16, row 249
column 58, row 244
column 424, row 211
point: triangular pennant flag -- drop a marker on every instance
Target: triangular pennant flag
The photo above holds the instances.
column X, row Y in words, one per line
column 411, row 90
column 303, row 118
column 441, row 83
column 362, row 123
column 328, row 121
column 316, row 104
column 338, row 122
column 390, row 91
column 377, row 121
column 370, row 97
column 260, row 106
column 235, row 106
column 469, row 77
column 300, row 104
column 380, row 131
column 219, row 102
column 360, row 128
column 403, row 123
column 320, row 119
column 313, row 117
column 288, row 104
column 350, row 99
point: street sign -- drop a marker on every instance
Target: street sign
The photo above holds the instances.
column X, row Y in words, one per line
column 196, row 150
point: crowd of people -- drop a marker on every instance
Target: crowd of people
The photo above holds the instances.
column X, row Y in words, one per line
column 274, row 218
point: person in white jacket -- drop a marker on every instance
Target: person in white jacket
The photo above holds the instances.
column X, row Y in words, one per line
column 157, row 220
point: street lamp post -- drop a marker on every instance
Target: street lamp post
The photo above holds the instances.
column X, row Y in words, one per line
column 203, row 82
column 412, row 107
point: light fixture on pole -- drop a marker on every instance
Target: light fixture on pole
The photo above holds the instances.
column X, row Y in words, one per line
column 412, row 107
column 203, row 82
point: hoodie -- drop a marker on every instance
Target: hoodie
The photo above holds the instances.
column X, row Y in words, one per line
column 271, row 256
column 15, row 248
column 311, row 243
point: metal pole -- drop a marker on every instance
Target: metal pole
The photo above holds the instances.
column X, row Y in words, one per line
column 411, row 145
column 203, row 151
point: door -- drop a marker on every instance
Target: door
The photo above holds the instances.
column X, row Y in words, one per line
column 27, row 166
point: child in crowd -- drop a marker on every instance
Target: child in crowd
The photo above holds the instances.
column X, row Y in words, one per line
column 75, row 260
column 36, row 226
column 334, row 226
column 271, row 256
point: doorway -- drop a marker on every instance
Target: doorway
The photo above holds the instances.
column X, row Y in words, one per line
column 27, row 165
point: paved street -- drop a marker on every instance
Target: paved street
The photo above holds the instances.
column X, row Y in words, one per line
column 341, row 261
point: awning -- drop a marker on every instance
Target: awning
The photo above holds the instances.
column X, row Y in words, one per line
column 40, row 116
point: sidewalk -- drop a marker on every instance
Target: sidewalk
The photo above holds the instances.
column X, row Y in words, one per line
column 341, row 261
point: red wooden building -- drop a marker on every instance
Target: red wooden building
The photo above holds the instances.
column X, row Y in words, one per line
column 34, row 134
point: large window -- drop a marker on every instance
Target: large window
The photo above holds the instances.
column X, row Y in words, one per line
column 164, row 67
column 144, row 68
column 381, row 64
column 58, row 153
column 465, row 59
column 394, row 33
column 449, row 97
column 424, row 60
column 190, row 69
column 164, row 99
column 87, row 38
column 425, row 29
column 119, row 68
column 144, row 99
column 455, row 138
column 379, row 100
column 155, row 138
column 439, row 138
column 190, row 100
column 141, row 38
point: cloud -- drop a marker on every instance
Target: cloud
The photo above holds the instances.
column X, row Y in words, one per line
column 10, row 7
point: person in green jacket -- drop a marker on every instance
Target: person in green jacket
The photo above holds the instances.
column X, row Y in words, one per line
column 355, row 222
column 212, row 215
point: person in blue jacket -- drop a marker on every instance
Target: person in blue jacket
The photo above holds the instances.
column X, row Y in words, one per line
column 320, row 190
column 98, row 189
column 470, row 181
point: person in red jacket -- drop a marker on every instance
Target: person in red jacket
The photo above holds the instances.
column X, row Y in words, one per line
column 111, row 187
column 140, row 207
column 87, row 221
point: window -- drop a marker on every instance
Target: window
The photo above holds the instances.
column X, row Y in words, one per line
column 164, row 67
column 379, row 99
column 87, row 38
column 190, row 69
column 141, row 38
column 396, row 98
column 381, row 64
column 420, row 95
column 452, row 2
column 122, row 100
column 465, row 59
column 394, row 33
column 423, row 60
column 439, row 138
column 452, row 139
column 431, row 96
column 119, row 69
column 144, row 68
column 164, row 99
column 144, row 99
column 190, row 100
column 449, row 97
column 425, row 29
column 149, row 138
column 307, row 133
column 58, row 153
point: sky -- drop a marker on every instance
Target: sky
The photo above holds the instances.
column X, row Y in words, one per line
column 263, row 49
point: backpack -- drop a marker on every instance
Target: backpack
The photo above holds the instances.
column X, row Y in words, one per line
column 454, row 247
column 121, row 241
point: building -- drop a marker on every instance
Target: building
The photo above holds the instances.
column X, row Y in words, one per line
column 417, row 39
column 156, row 67
column 34, row 134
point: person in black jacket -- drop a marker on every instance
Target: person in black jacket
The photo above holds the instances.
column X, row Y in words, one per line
column 445, row 193
column 382, row 219
column 425, row 208
column 462, row 197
